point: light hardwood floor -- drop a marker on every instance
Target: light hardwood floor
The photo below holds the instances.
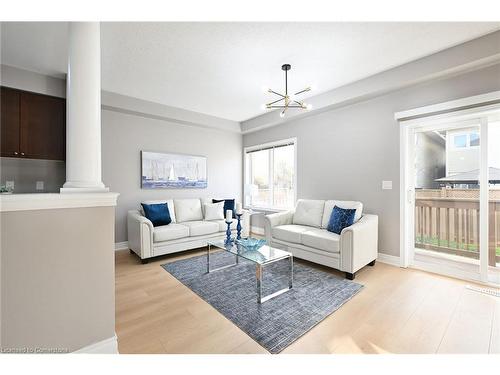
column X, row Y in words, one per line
column 398, row 311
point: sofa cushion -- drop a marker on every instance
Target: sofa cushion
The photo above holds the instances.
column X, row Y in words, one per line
column 171, row 208
column 188, row 210
column 290, row 232
column 342, row 204
column 321, row 239
column 309, row 212
column 157, row 213
column 200, row 228
column 223, row 226
column 170, row 232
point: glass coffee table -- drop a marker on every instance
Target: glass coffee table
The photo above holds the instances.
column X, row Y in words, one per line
column 261, row 257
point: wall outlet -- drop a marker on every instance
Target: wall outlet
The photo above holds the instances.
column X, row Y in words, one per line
column 9, row 185
column 386, row 185
column 39, row 185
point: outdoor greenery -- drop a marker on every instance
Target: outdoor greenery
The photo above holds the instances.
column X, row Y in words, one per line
column 435, row 241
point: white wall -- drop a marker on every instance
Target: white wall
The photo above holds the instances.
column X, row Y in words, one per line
column 125, row 135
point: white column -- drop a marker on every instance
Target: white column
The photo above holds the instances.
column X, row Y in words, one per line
column 83, row 109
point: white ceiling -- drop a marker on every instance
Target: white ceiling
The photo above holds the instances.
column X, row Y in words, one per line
column 220, row 68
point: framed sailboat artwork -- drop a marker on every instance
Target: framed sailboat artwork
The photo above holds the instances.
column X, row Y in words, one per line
column 173, row 171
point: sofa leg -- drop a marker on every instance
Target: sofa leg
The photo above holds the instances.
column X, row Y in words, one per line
column 372, row 263
column 144, row 261
column 131, row 251
column 349, row 276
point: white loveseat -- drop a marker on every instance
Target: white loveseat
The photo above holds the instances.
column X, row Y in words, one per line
column 188, row 229
column 302, row 231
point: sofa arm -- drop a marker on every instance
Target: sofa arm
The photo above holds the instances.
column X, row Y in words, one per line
column 359, row 244
column 140, row 234
column 273, row 220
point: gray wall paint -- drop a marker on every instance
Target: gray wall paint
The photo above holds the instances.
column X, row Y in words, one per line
column 345, row 153
column 26, row 172
column 30, row 81
column 58, row 287
column 125, row 135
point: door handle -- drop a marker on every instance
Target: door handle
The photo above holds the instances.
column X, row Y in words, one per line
column 410, row 195
column 15, row 152
column 22, row 153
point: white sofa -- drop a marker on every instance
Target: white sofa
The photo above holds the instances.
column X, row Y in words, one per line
column 302, row 231
column 188, row 229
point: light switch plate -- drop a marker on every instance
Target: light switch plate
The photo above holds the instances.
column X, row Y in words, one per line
column 9, row 184
column 386, row 185
column 39, row 185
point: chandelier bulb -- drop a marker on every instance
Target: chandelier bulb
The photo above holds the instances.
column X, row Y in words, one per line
column 282, row 114
column 309, row 107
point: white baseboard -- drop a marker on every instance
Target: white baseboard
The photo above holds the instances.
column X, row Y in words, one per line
column 389, row 259
column 257, row 230
column 121, row 245
column 108, row 346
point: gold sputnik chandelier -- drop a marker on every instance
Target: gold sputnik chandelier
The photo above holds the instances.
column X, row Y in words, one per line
column 286, row 100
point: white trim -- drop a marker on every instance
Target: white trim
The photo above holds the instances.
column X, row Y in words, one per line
column 483, row 201
column 27, row 202
column 389, row 259
column 257, row 230
column 406, row 193
column 111, row 101
column 270, row 144
column 452, row 105
column 266, row 145
column 107, row 346
column 121, row 245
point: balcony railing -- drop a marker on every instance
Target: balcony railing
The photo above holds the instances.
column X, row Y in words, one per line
column 447, row 221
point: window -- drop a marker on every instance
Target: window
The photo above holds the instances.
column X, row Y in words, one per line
column 270, row 175
column 466, row 140
column 460, row 141
column 474, row 139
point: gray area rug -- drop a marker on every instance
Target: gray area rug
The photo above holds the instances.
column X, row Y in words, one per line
column 276, row 323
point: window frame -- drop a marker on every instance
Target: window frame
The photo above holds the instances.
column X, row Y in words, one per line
column 273, row 144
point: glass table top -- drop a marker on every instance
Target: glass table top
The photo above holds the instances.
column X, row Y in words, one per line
column 263, row 255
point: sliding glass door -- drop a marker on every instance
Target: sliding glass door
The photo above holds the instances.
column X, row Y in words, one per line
column 453, row 196
column 446, row 172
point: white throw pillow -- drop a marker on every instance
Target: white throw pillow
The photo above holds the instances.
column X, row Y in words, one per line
column 309, row 212
column 214, row 211
column 188, row 210
column 358, row 206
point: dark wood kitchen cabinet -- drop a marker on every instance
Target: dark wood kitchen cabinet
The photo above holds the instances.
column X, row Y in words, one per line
column 9, row 122
column 33, row 125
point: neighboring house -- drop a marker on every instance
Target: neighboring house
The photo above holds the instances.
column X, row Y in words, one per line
column 462, row 150
column 430, row 159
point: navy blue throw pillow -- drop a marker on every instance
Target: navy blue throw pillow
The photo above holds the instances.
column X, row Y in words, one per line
column 228, row 205
column 157, row 213
column 340, row 218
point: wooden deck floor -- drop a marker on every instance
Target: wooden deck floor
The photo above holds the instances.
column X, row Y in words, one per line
column 398, row 311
